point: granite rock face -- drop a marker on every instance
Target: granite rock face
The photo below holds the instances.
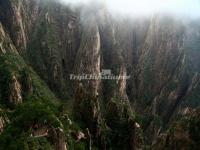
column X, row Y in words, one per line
column 160, row 53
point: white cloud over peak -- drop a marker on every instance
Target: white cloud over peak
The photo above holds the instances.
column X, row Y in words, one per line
column 179, row 7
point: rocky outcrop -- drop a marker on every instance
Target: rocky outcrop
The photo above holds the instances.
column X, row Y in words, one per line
column 6, row 44
column 15, row 96
column 19, row 17
column 86, row 109
column 136, row 139
column 162, row 54
column 19, row 34
column 3, row 120
column 55, row 134
column 57, row 41
column 2, row 124
column 183, row 134
column 58, row 138
column 88, row 56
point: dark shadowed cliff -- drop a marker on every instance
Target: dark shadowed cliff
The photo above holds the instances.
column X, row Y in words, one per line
column 43, row 42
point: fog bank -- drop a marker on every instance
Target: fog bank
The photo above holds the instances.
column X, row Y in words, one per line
column 189, row 8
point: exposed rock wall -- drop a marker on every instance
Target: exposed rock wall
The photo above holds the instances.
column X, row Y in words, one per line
column 15, row 96
column 6, row 44
column 57, row 41
column 88, row 56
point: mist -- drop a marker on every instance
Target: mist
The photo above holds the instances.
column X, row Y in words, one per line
column 189, row 8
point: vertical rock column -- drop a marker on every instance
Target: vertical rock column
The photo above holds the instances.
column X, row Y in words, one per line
column 88, row 62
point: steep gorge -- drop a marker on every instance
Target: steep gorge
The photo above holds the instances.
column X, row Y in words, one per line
column 56, row 40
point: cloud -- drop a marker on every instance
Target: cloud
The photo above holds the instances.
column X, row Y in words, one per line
column 130, row 7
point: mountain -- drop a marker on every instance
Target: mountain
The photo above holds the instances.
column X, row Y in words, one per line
column 43, row 43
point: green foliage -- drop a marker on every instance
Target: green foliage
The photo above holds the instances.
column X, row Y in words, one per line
column 17, row 133
column 39, row 106
column 193, row 99
column 143, row 120
column 172, row 86
column 157, row 121
column 11, row 64
column 109, row 87
column 25, row 115
column 117, row 119
column 39, row 144
column 148, row 66
column 194, row 128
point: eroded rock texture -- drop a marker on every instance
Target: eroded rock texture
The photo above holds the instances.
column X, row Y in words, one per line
column 160, row 53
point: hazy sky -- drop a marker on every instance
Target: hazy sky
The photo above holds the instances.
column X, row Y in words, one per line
column 181, row 7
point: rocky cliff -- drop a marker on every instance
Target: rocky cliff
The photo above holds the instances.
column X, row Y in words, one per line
column 42, row 43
